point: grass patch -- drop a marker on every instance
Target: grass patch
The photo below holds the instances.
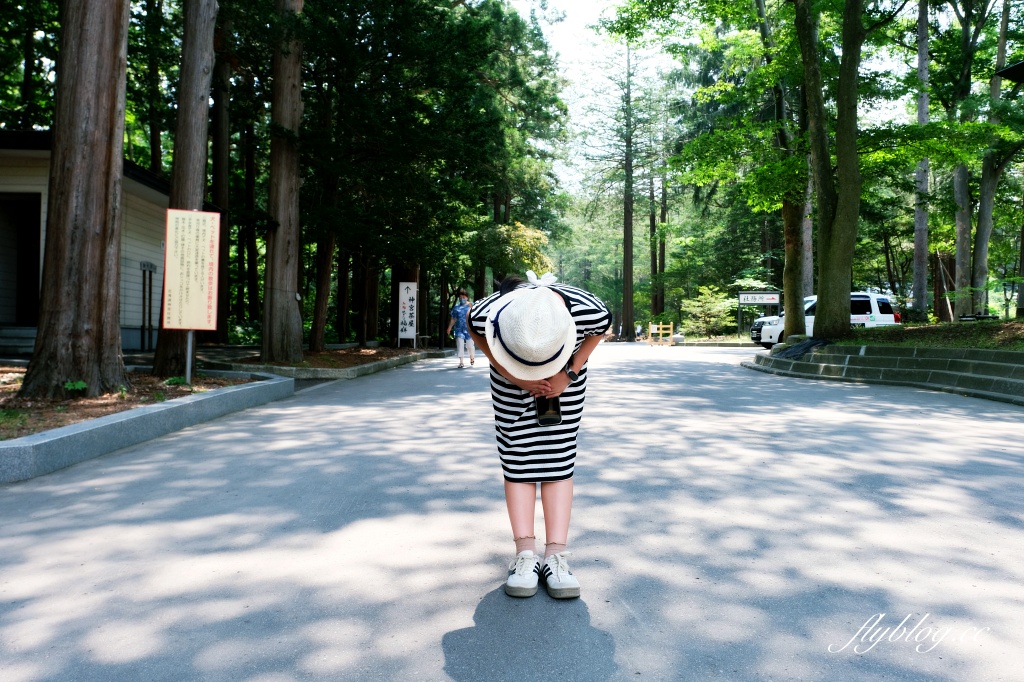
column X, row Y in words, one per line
column 986, row 334
column 12, row 419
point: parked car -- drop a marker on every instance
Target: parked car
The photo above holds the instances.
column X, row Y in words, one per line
column 755, row 328
column 866, row 310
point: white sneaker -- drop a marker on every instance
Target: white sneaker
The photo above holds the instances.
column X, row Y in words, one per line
column 559, row 580
column 523, row 574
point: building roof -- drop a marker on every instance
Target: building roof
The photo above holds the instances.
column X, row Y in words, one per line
column 42, row 140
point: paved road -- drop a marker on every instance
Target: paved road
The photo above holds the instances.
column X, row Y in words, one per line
column 729, row 525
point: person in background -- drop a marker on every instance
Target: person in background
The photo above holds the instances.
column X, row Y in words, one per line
column 458, row 321
column 538, row 336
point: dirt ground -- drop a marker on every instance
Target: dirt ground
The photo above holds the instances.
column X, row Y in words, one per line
column 346, row 357
column 21, row 417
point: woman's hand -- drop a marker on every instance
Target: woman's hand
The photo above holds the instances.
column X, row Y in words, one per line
column 534, row 387
column 558, row 383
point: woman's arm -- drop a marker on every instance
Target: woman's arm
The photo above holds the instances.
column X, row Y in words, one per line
column 560, row 381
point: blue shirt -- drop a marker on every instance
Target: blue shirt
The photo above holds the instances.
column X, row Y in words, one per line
column 459, row 315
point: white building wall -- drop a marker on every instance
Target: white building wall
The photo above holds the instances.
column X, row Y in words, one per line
column 142, row 235
column 142, row 240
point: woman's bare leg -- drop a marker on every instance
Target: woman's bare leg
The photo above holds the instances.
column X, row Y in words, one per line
column 521, row 500
column 556, row 498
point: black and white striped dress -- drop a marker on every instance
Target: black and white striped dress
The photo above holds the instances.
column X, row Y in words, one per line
column 529, row 452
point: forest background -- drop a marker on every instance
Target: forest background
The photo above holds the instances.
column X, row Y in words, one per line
column 735, row 145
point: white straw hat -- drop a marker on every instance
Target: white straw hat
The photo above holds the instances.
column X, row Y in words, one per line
column 531, row 332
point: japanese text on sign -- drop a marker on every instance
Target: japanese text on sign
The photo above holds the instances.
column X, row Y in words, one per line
column 190, row 270
column 760, row 297
column 407, row 310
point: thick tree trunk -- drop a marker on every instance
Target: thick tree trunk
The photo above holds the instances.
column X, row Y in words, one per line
column 653, row 243
column 629, row 331
column 920, row 285
column 987, row 187
column 188, row 172
column 792, row 272
column 220, row 181
column 372, row 301
column 793, row 203
column 252, row 273
column 963, row 301
column 324, row 269
column 359, row 305
column 79, row 334
column 240, row 259
column 808, row 243
column 663, row 219
column 839, row 195
column 343, row 297
column 282, row 319
column 991, row 171
column 1020, row 273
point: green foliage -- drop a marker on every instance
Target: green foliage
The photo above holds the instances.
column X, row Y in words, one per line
column 175, row 381
column 78, row 386
column 708, row 313
column 31, row 34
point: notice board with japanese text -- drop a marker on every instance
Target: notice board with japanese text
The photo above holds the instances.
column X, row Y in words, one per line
column 190, row 269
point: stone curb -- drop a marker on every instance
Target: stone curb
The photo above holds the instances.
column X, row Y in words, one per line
column 720, row 344
column 45, row 452
column 965, row 372
column 328, row 374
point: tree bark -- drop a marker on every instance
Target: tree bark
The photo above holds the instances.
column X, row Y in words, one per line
column 188, row 171
column 324, row 269
column 1020, row 273
column 220, row 181
column 653, row 243
column 792, row 206
column 792, row 270
column 963, row 300
column 839, row 194
column 660, row 284
column 252, row 281
column 154, row 26
column 920, row 285
column 808, row 245
column 991, row 172
column 79, row 333
column 282, row 319
column 343, row 297
column 629, row 330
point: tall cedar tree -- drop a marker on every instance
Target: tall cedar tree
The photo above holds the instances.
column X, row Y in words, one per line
column 79, row 339
column 282, row 319
column 188, row 173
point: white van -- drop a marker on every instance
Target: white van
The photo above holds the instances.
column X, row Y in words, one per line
column 866, row 310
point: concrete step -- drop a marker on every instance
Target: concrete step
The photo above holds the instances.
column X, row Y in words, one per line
column 973, row 354
column 983, row 379
column 963, row 366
